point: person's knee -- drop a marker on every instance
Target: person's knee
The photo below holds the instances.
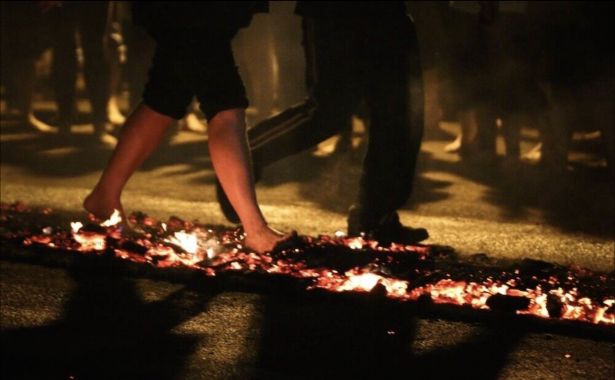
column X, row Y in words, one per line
column 227, row 119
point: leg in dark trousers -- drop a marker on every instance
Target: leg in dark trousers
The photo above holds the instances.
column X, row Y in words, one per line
column 396, row 102
column 89, row 19
column 64, row 70
column 92, row 28
column 335, row 91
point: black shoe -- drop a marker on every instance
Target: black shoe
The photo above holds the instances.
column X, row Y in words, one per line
column 225, row 205
column 385, row 229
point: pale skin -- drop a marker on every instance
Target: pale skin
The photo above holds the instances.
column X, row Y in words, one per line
column 228, row 146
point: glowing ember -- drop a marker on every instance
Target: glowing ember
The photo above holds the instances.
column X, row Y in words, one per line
column 355, row 243
column 188, row 242
column 76, row 226
column 91, row 241
column 114, row 220
column 343, row 264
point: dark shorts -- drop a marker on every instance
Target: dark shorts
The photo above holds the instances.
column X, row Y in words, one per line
column 193, row 62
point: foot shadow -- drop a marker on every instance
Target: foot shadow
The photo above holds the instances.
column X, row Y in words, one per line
column 357, row 337
column 108, row 332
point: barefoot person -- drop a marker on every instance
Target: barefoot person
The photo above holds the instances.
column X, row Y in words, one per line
column 193, row 58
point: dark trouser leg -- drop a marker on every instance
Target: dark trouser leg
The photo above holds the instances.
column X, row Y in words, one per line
column 396, row 100
column 64, row 70
column 486, row 135
column 335, row 92
column 511, row 130
column 563, row 112
column 92, row 19
column 24, row 76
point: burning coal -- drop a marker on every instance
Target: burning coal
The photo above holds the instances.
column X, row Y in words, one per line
column 337, row 264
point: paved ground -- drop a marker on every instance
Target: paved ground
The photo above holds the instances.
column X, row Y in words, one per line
column 80, row 324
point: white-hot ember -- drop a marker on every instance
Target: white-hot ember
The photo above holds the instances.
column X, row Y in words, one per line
column 114, row 220
column 76, row 226
column 186, row 241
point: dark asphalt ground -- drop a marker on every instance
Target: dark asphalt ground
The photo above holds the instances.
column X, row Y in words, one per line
column 91, row 324
column 58, row 323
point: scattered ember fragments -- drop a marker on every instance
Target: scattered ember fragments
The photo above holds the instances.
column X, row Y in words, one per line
column 338, row 264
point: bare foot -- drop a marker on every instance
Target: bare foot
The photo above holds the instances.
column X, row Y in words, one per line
column 102, row 208
column 35, row 124
column 534, row 155
column 114, row 114
column 268, row 239
column 454, row 147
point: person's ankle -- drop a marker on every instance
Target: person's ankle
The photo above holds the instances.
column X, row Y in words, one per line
column 256, row 229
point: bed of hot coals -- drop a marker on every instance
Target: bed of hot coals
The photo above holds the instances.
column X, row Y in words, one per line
column 335, row 263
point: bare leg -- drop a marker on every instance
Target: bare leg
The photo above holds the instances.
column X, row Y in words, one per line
column 467, row 137
column 113, row 109
column 24, row 81
column 230, row 156
column 143, row 132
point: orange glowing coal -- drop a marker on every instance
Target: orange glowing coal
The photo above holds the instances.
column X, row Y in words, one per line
column 183, row 244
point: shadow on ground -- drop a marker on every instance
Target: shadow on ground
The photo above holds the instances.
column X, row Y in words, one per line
column 79, row 154
column 577, row 201
column 362, row 338
column 108, row 332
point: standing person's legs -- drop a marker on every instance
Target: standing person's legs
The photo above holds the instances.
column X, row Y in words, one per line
column 23, row 41
column 92, row 28
column 487, row 129
column 467, row 63
column 24, row 76
column 116, row 53
column 253, row 48
column 64, row 69
column 604, row 114
column 563, row 115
